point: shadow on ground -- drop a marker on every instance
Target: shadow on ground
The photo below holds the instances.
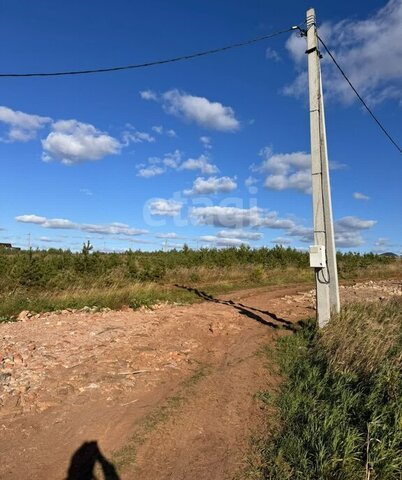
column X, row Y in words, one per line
column 251, row 312
column 84, row 462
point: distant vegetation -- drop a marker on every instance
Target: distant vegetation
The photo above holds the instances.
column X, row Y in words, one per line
column 53, row 279
column 340, row 408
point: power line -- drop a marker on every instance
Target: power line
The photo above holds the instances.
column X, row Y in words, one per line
column 150, row 64
column 359, row 96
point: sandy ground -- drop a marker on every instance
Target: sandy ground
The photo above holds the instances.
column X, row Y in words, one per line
column 166, row 393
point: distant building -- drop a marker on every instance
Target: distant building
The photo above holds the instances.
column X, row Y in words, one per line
column 8, row 246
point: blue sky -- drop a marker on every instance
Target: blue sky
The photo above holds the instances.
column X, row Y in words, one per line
column 208, row 152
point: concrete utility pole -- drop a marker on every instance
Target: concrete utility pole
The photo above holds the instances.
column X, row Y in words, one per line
column 323, row 253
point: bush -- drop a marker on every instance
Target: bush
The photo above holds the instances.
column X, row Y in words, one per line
column 61, row 269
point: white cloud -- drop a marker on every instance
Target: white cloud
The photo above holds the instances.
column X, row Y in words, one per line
column 61, row 223
column 223, row 242
column 167, row 235
column 300, row 180
column 271, row 54
column 286, row 170
column 132, row 135
column 173, row 159
column 200, row 110
column 353, row 223
column 250, row 181
column 348, row 231
column 50, row 240
column 271, row 220
column 281, row 241
column 86, row 192
column 382, row 242
column 374, row 67
column 158, row 166
column 211, row 185
column 160, row 130
column 206, row 142
column 239, row 218
column 200, row 163
column 46, row 222
column 72, row 142
column 150, row 171
column 241, row 234
column 360, row 196
column 229, row 217
column 148, row 95
column 22, row 127
column 212, row 115
column 166, row 208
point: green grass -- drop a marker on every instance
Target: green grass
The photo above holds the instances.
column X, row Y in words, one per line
column 55, row 279
column 133, row 296
column 340, row 407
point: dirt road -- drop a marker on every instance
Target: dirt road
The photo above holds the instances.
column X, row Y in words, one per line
column 165, row 393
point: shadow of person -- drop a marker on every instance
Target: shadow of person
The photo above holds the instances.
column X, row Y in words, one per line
column 84, row 462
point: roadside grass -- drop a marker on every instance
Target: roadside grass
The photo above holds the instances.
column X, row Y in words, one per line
column 127, row 455
column 114, row 297
column 121, row 292
column 339, row 409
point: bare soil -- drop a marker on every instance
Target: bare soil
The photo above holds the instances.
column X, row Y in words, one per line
column 167, row 393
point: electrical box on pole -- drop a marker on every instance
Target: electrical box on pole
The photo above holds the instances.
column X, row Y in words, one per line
column 323, row 253
column 317, row 256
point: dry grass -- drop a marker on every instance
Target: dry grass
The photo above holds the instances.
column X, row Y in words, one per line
column 364, row 335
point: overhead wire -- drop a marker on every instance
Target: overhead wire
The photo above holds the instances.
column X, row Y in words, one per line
column 202, row 54
column 150, row 64
column 359, row 96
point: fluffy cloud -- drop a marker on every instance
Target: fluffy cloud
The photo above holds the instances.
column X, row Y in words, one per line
column 61, row 223
column 286, row 170
column 201, row 163
column 148, row 95
column 360, row 196
column 211, row 185
column 348, row 230
column 374, row 67
column 150, row 171
column 72, row 142
column 157, row 166
column 165, row 208
column 200, row 110
column 21, row 126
